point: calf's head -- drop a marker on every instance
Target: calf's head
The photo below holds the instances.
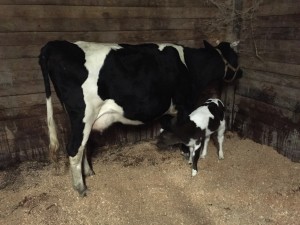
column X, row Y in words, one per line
column 166, row 139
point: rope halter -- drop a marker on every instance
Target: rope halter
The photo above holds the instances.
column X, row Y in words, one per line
column 228, row 65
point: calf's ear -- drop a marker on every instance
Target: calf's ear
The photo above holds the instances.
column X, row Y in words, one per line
column 207, row 45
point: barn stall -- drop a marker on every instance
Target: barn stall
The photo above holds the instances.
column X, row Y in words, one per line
column 262, row 106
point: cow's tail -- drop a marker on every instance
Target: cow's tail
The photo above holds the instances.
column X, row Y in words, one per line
column 54, row 143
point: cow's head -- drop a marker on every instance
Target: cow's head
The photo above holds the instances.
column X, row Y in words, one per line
column 166, row 139
column 229, row 56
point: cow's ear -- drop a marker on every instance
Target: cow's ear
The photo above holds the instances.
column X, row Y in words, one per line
column 234, row 44
column 207, row 45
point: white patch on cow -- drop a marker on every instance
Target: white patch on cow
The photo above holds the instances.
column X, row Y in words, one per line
column 194, row 172
column 110, row 112
column 95, row 54
column 178, row 48
column 193, row 146
column 161, row 130
column 172, row 110
column 54, row 144
column 200, row 117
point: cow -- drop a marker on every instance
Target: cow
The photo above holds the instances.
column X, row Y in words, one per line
column 195, row 131
column 99, row 84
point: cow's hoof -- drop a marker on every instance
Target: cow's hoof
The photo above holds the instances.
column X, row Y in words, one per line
column 194, row 172
column 81, row 190
column 82, row 193
column 89, row 173
column 221, row 157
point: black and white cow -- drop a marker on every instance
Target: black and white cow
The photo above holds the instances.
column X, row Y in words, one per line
column 100, row 84
column 195, row 131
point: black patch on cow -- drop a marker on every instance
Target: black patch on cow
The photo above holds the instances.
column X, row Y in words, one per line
column 143, row 80
column 64, row 63
column 217, row 110
column 188, row 130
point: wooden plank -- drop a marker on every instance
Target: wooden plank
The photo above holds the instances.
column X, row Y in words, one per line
column 267, row 2
column 285, row 141
column 270, row 45
column 19, row 64
column 23, row 88
column 281, row 8
column 41, row 38
column 16, row 52
column 277, row 95
column 29, row 111
column 290, row 20
column 271, row 115
column 107, row 3
column 277, row 33
column 8, row 78
column 90, row 24
column 274, row 67
column 275, row 56
column 18, row 101
column 272, row 78
column 267, row 124
column 98, row 12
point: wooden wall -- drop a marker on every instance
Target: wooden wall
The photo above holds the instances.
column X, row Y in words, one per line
column 267, row 99
column 26, row 25
column 263, row 105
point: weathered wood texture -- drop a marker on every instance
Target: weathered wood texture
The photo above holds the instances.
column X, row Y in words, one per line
column 263, row 106
column 27, row 25
column 267, row 99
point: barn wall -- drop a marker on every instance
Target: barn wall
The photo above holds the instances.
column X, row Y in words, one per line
column 267, row 99
column 26, row 25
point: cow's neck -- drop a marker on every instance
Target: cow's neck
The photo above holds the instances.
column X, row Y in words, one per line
column 204, row 66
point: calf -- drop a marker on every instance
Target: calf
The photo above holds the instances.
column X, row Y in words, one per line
column 195, row 131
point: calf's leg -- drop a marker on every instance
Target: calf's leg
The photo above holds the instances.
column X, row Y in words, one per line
column 192, row 154
column 221, row 132
column 195, row 162
column 204, row 151
column 199, row 149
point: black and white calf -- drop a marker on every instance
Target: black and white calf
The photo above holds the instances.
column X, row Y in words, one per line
column 195, row 131
column 100, row 84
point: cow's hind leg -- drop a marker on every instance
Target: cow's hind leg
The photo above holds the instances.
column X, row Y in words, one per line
column 204, row 152
column 76, row 170
column 76, row 151
column 221, row 132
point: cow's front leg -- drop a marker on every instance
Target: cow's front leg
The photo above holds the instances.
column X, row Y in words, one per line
column 197, row 151
column 86, row 166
